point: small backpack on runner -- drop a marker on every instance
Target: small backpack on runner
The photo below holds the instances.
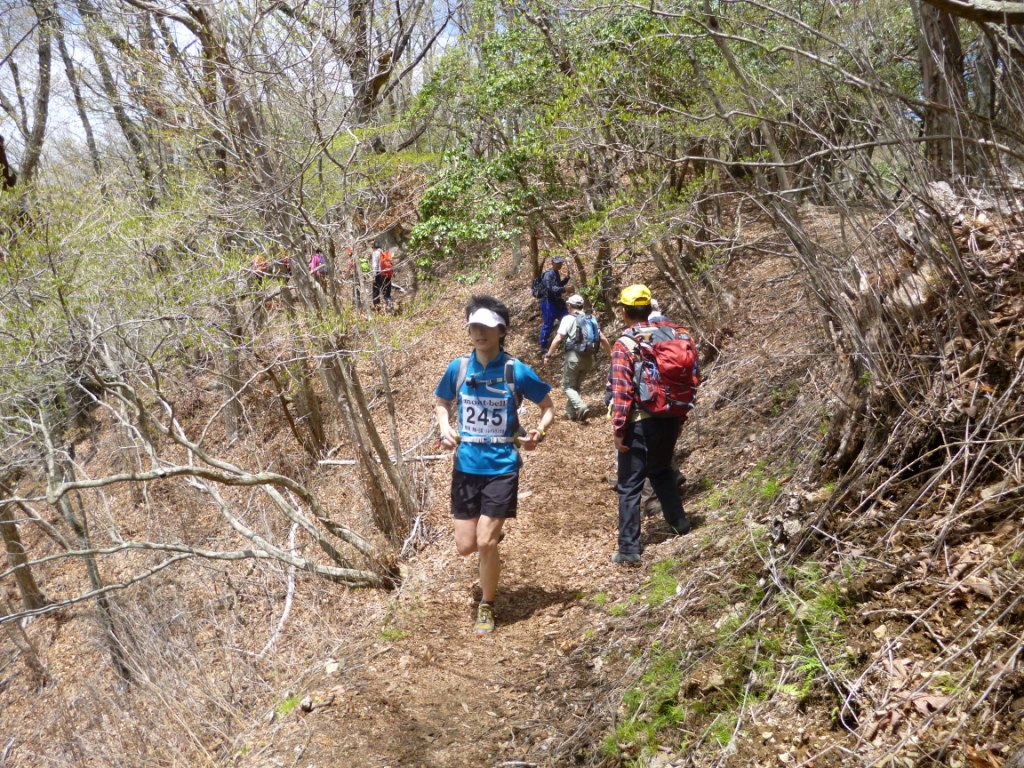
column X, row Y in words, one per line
column 387, row 266
column 585, row 335
column 665, row 369
column 510, row 383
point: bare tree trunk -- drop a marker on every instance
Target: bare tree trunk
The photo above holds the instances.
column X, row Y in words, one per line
column 32, row 596
column 60, row 470
column 682, row 286
column 8, row 176
column 307, row 404
column 985, row 89
column 781, row 175
column 232, row 373
column 391, row 515
column 941, row 57
column 24, row 645
column 90, row 18
column 517, row 254
column 71, row 72
column 535, row 262
column 41, row 106
column 603, row 272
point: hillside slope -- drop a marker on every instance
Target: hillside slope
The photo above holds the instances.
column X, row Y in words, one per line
column 796, row 625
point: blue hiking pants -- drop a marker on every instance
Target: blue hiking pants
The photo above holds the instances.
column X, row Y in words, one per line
column 551, row 311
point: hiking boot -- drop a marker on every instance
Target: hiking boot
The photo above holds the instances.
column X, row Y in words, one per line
column 683, row 528
column 626, row 558
column 484, row 623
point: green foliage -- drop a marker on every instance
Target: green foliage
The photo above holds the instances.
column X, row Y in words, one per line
column 662, row 585
column 649, row 707
column 460, row 214
column 762, row 483
column 722, row 728
column 817, row 606
column 287, row 705
column 622, row 607
column 781, row 397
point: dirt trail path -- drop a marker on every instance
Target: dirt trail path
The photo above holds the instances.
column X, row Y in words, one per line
column 419, row 689
column 409, row 683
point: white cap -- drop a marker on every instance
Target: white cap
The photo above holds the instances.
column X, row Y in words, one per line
column 575, row 300
column 486, row 317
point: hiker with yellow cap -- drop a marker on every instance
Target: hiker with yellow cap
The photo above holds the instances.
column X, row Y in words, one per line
column 653, row 381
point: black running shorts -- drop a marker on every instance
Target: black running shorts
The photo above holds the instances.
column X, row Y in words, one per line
column 490, row 495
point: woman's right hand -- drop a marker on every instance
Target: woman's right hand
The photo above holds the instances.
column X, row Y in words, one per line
column 449, row 438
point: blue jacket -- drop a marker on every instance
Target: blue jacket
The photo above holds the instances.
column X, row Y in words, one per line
column 488, row 410
column 554, row 284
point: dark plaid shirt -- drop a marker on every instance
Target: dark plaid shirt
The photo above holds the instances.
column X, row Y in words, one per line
column 620, row 379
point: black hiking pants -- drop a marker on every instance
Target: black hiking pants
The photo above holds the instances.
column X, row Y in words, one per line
column 652, row 443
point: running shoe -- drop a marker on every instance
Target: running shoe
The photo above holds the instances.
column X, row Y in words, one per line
column 484, row 623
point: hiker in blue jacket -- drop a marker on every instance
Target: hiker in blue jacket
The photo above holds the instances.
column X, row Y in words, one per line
column 486, row 386
column 552, row 303
column 580, row 352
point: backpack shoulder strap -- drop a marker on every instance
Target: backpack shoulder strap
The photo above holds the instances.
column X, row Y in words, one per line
column 463, row 371
column 517, row 397
column 510, row 379
column 575, row 325
column 630, row 340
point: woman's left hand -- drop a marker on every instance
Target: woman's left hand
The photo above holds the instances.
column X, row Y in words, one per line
column 532, row 439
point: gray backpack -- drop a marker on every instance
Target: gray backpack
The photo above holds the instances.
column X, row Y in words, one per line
column 586, row 336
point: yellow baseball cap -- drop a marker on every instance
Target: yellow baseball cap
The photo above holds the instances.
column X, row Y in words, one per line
column 635, row 296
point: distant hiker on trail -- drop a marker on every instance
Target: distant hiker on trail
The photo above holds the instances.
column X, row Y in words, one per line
column 656, row 315
column 282, row 266
column 487, row 386
column 552, row 290
column 653, row 384
column 260, row 270
column 582, row 337
column 383, row 270
column 318, row 267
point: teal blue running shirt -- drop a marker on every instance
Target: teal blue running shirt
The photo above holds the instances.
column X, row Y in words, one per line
column 488, row 409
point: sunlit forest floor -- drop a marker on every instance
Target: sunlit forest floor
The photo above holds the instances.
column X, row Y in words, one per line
column 675, row 663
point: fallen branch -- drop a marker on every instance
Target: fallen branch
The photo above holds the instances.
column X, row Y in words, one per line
column 350, row 462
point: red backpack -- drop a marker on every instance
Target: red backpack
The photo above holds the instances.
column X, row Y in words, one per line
column 665, row 370
column 387, row 267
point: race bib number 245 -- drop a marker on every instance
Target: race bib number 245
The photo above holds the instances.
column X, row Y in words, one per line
column 484, row 415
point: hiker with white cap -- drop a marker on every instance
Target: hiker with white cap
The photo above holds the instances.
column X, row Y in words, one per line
column 656, row 316
column 582, row 337
column 487, row 386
